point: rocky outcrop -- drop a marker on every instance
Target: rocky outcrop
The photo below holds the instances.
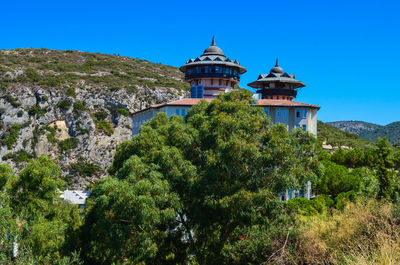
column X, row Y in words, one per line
column 77, row 121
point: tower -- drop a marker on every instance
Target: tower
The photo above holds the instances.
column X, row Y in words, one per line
column 212, row 73
column 277, row 84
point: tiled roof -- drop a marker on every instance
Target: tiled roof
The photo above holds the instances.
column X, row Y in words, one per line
column 260, row 102
column 283, row 103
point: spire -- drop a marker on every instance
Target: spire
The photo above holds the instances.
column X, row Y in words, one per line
column 276, row 65
column 213, row 41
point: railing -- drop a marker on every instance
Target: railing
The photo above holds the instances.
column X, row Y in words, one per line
column 277, row 92
column 212, row 75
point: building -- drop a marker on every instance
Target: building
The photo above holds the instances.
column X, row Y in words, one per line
column 77, row 197
column 277, row 90
column 212, row 73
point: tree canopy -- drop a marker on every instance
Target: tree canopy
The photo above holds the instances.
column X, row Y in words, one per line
column 181, row 189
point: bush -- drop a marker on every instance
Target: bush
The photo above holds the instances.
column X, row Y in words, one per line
column 68, row 144
column 71, row 92
column 80, row 106
column 32, row 75
column 13, row 135
column 84, row 169
column 18, row 157
column 36, row 110
column 64, row 104
column 100, row 115
column 124, row 112
column 106, row 127
column 343, row 198
column 10, row 99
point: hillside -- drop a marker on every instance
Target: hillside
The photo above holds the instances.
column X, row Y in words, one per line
column 370, row 131
column 338, row 137
column 75, row 106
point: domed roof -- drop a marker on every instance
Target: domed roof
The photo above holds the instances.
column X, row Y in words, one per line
column 213, row 49
column 277, row 69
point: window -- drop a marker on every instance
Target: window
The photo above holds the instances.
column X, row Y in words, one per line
column 266, row 110
column 304, row 113
column 278, row 112
column 207, row 69
column 177, row 111
column 212, row 82
column 226, row 83
column 183, row 111
column 285, row 113
column 297, row 113
column 220, row 82
column 304, row 127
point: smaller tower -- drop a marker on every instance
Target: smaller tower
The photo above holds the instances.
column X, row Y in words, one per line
column 277, row 84
column 212, row 73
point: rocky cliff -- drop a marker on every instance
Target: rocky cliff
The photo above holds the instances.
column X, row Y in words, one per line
column 75, row 107
column 370, row 131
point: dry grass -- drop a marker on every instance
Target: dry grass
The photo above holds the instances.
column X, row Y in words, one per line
column 363, row 233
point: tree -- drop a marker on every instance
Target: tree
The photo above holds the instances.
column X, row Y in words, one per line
column 355, row 158
column 339, row 157
column 34, row 216
column 181, row 189
column 383, row 162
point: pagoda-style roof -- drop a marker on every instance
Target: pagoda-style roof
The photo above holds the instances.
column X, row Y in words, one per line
column 213, row 55
column 276, row 75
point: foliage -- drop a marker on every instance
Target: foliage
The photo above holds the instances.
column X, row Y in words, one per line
column 68, row 144
column 32, row 75
column 211, row 175
column 64, row 104
column 361, row 233
column 13, row 135
column 10, row 99
column 34, row 216
column 84, row 169
column 105, row 126
column 124, row 112
column 36, row 110
column 19, row 156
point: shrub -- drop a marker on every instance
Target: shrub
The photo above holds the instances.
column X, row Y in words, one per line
column 64, row 104
column 84, row 169
column 18, row 157
column 80, row 106
column 124, row 112
column 13, row 135
column 71, row 92
column 106, row 127
column 100, row 115
column 32, row 75
column 68, row 144
column 10, row 99
column 36, row 110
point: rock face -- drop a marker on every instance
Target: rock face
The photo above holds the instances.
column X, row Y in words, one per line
column 370, row 131
column 75, row 107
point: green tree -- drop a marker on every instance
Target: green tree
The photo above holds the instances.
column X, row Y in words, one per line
column 355, row 158
column 339, row 157
column 383, row 163
column 35, row 217
column 183, row 188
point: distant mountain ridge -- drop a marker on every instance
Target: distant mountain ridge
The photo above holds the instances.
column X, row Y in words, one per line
column 370, row 131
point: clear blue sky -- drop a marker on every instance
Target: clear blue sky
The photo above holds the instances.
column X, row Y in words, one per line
column 347, row 52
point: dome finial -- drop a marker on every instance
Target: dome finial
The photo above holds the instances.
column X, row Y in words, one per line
column 277, row 64
column 213, row 41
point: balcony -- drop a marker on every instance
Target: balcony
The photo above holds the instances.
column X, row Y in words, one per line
column 277, row 92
